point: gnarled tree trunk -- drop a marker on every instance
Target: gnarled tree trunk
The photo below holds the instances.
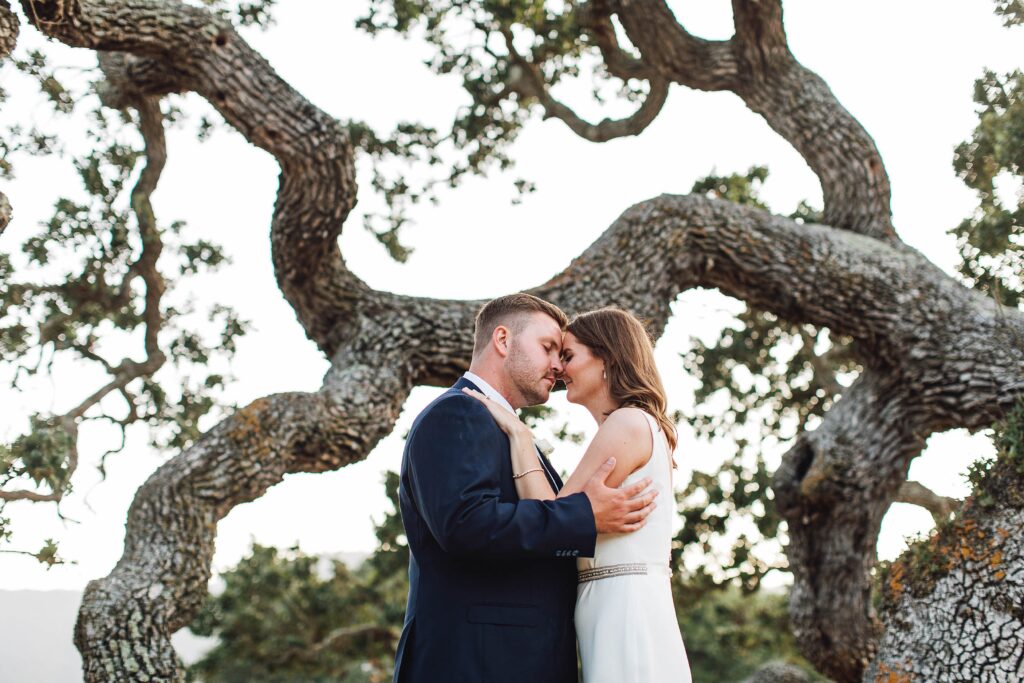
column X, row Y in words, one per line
column 953, row 604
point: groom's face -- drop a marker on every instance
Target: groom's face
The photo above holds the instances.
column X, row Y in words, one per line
column 533, row 360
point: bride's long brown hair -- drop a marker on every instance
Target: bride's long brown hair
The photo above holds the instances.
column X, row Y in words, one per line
column 619, row 339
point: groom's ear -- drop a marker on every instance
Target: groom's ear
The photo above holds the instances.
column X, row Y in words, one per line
column 500, row 337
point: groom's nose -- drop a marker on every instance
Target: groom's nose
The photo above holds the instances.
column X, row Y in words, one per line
column 556, row 367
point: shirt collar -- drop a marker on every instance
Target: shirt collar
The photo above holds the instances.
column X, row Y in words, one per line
column 489, row 391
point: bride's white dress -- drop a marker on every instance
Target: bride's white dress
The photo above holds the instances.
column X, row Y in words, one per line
column 625, row 618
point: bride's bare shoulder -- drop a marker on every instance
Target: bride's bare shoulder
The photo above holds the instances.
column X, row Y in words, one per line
column 627, row 421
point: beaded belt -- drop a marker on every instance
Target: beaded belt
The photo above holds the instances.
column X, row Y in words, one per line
column 610, row 570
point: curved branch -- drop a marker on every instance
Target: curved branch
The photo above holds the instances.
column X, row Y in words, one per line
column 916, row 493
column 757, row 65
column 155, row 589
column 595, row 20
column 670, row 49
column 609, row 129
column 528, row 81
column 151, row 125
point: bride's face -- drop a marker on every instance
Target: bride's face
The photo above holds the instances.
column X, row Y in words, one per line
column 582, row 371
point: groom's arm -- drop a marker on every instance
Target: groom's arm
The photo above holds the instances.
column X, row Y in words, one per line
column 454, row 463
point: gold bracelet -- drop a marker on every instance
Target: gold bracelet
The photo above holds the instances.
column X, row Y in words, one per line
column 523, row 474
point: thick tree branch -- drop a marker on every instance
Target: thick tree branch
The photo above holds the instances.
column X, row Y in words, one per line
column 595, row 19
column 757, row 65
column 834, row 503
column 670, row 49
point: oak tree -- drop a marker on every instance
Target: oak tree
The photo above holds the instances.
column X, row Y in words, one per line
column 932, row 352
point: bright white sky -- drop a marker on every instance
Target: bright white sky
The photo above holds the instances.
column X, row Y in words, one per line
column 905, row 70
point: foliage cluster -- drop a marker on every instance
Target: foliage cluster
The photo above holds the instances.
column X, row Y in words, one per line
column 90, row 289
column 991, row 241
column 285, row 616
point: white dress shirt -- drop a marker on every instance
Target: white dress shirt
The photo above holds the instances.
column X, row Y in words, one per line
column 489, row 391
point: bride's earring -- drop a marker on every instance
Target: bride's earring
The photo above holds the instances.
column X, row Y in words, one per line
column 604, row 374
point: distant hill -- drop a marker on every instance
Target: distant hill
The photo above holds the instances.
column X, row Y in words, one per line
column 37, row 631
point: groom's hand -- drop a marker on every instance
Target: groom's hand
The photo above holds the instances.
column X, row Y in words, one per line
column 618, row 511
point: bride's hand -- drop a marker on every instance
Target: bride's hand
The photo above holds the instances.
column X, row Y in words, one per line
column 506, row 419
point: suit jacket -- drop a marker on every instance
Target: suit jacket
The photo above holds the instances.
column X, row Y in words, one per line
column 492, row 579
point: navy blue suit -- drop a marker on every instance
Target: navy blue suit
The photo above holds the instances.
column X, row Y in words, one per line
column 492, row 579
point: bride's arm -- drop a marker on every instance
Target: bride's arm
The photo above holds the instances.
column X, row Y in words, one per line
column 624, row 435
column 534, row 482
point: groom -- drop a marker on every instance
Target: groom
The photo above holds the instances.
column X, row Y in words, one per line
column 492, row 579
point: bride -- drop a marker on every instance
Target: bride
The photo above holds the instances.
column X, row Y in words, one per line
column 625, row 617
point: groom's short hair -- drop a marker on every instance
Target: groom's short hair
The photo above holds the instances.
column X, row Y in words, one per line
column 511, row 311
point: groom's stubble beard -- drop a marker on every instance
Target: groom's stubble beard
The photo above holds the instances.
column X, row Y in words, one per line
column 524, row 377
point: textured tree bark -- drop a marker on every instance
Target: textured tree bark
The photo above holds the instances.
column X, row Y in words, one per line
column 936, row 354
column 953, row 604
column 970, row 627
column 9, row 27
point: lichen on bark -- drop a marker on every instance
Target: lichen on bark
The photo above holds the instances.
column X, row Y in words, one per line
column 953, row 603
